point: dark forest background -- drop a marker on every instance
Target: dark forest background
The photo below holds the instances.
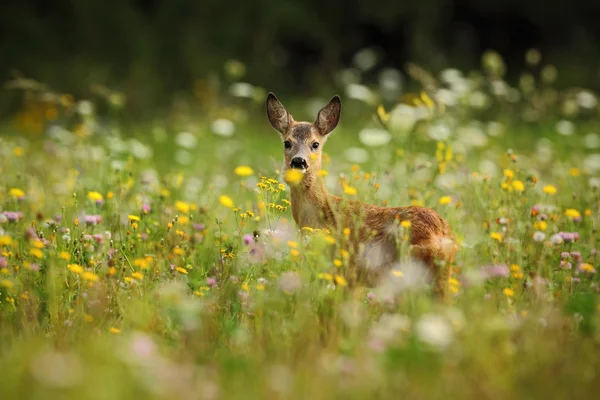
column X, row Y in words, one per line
column 155, row 50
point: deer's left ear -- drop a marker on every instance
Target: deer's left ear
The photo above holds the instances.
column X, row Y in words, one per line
column 329, row 116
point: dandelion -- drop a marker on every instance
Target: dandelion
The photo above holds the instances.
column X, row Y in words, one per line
column 114, row 331
column 181, row 270
column 37, row 253
column 293, row 176
column 226, row 201
column 340, row 280
column 509, row 173
column 133, row 218
column 496, row 236
column 519, row 186
column 572, row 213
column 406, row 224
column 95, row 197
column 243, row 171
column 182, row 206
column 539, row 236
column 549, row 189
column 337, row 262
column 90, row 276
column 63, row 255
column 574, row 172
column 349, row 190
column 445, row 200
column 137, row 275
column 5, row 240
column 508, row 292
column 16, row 193
column 75, row 268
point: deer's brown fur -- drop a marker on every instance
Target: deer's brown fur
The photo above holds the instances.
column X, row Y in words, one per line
column 374, row 228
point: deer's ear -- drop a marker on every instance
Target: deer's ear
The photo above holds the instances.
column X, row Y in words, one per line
column 279, row 118
column 329, row 116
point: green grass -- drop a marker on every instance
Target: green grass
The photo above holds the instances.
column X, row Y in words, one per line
column 174, row 306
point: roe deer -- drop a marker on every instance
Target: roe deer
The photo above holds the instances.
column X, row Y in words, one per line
column 374, row 241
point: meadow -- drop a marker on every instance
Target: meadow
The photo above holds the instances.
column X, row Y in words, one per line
column 160, row 260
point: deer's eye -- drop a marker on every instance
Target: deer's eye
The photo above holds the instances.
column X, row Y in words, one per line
column 287, row 145
column 315, row 145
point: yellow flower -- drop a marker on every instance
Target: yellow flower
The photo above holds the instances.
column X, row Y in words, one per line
column 572, row 213
column 509, row 173
column 243, row 171
column 226, row 201
column 397, row 273
column 574, row 172
column 292, row 244
column 260, row 286
column 508, row 292
column 496, row 236
column 346, row 231
column 588, row 212
column 133, row 218
column 519, row 186
column 114, row 331
column 337, row 262
column 406, row 224
column 383, row 115
column 38, row 244
column 294, row 252
column 340, row 280
column 64, row 255
column 137, row 275
column 6, row 283
column 18, row 151
column 182, row 206
column 445, row 200
column 549, row 189
column 330, row 239
column 515, row 268
column 587, row 267
column 37, row 253
column 16, row 193
column 293, row 176
column 323, row 172
column 349, row 190
column 76, row 268
column 325, row 276
column 541, row 225
column 90, row 276
column 95, row 196
column 5, row 240
column 182, row 270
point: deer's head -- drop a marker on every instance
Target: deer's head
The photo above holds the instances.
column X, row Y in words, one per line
column 303, row 141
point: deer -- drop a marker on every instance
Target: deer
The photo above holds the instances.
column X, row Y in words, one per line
column 374, row 228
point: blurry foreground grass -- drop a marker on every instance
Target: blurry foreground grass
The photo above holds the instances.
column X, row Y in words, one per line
column 168, row 265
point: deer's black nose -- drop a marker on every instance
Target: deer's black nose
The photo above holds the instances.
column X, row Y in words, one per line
column 299, row 162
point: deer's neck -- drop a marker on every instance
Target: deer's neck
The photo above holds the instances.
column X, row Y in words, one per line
column 311, row 204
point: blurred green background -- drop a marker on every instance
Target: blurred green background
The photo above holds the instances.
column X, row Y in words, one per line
column 158, row 53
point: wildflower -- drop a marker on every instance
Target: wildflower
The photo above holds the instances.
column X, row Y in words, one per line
column 445, row 200
column 539, row 236
column 496, row 236
column 564, row 264
column 568, row 237
column 90, row 276
column 509, row 173
column 114, row 331
column 226, row 201
column 325, row 276
column 549, row 189
column 75, row 268
column 16, row 193
column 13, row 216
column 6, row 283
column 182, row 206
column 434, row 330
column 137, row 275
column 508, row 292
column 406, row 224
column 349, row 190
column 585, row 267
column 294, row 253
column 182, row 270
column 290, row 282
column 5, row 240
column 572, row 213
column 556, row 239
column 293, row 176
column 243, row 171
column 3, row 262
column 340, row 280
column 574, row 172
column 519, row 186
column 133, row 218
column 337, row 262
column 397, row 273
column 496, row 271
column 37, row 253
column 541, row 225
column 535, row 210
column 92, row 219
column 292, row 244
column 95, row 196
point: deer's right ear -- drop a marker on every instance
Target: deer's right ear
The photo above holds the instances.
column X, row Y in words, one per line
column 279, row 118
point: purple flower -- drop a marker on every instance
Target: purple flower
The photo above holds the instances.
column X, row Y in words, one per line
column 565, row 265
column 248, row 240
column 3, row 262
column 371, row 296
column 98, row 238
column 30, row 234
column 13, row 216
column 146, row 209
column 543, row 217
column 211, row 281
column 496, row 271
column 564, row 255
column 569, row 237
column 576, row 255
column 198, row 227
column 93, row 219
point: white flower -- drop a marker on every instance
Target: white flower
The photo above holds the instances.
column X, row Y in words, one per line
column 439, row 131
column 241, row 89
column 360, row 92
column 434, row 330
column 402, row 118
column 591, row 141
column 565, row 128
column 223, row 127
column 556, row 239
column 139, row 150
column 539, row 236
column 186, row 140
column 586, row 99
column 592, row 162
column 374, row 137
column 365, row 59
column 85, row 107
